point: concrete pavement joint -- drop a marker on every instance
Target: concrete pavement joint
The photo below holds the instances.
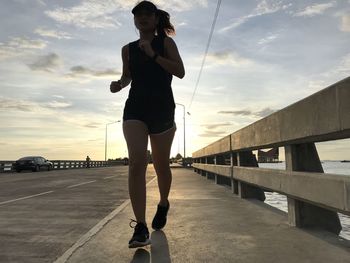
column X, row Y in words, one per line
column 92, row 232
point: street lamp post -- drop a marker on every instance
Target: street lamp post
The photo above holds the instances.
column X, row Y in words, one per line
column 184, row 117
column 106, row 138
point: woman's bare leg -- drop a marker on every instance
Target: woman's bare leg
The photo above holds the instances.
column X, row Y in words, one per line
column 136, row 136
column 161, row 146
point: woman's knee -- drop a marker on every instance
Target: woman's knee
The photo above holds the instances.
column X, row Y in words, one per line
column 163, row 170
column 138, row 164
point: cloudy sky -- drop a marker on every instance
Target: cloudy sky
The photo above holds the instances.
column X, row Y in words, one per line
column 57, row 59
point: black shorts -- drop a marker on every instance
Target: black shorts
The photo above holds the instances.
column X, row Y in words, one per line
column 157, row 115
column 153, row 126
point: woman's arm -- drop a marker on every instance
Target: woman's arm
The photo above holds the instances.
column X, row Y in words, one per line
column 126, row 77
column 171, row 61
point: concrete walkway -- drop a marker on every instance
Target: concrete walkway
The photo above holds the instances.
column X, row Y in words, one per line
column 207, row 223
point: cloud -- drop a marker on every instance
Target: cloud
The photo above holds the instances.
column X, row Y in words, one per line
column 58, row 96
column 261, row 113
column 180, row 5
column 316, row 84
column 216, row 125
column 95, row 140
column 41, row 2
column 101, row 14
column 8, row 104
column 335, row 73
column 267, row 39
column 16, row 105
column 240, row 112
column 89, row 14
column 58, row 104
column 263, row 8
column 239, row 21
column 227, row 58
column 46, row 63
column 79, row 71
column 265, row 112
column 181, row 24
column 215, row 129
column 52, row 33
column 213, row 134
column 38, row 2
column 269, row 7
column 93, row 125
column 27, row 43
column 343, row 66
column 345, row 23
column 316, row 9
column 18, row 46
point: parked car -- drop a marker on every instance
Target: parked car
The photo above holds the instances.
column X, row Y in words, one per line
column 34, row 163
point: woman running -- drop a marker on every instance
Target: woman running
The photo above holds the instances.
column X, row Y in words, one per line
column 149, row 64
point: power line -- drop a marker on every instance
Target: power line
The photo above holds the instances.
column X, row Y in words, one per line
column 206, row 50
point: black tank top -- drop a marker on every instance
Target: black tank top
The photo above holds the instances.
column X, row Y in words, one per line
column 150, row 94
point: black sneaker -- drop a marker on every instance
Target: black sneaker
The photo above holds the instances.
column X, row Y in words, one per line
column 159, row 219
column 140, row 237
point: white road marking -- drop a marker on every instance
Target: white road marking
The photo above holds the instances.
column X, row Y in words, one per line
column 26, row 197
column 93, row 231
column 75, row 185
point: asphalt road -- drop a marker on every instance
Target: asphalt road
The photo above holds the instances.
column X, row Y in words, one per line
column 43, row 214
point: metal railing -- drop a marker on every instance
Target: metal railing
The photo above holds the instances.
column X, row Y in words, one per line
column 314, row 198
column 75, row 164
column 6, row 166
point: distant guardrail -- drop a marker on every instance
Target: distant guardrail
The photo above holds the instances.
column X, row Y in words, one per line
column 6, row 166
column 314, row 198
column 185, row 162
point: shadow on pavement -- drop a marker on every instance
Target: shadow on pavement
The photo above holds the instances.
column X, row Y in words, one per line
column 141, row 256
column 160, row 248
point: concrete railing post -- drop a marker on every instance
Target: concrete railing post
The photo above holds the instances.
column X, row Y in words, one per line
column 206, row 162
column 216, row 176
column 304, row 157
column 220, row 160
column 202, row 172
column 245, row 190
column 234, row 183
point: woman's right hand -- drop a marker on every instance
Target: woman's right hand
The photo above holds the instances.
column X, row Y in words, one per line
column 115, row 86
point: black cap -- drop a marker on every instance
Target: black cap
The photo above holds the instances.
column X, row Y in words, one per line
column 144, row 5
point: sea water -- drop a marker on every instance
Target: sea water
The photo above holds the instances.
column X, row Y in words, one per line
column 332, row 167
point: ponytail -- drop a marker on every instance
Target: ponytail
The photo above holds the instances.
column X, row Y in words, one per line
column 164, row 28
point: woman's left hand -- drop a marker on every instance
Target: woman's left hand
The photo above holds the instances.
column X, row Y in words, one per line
column 145, row 45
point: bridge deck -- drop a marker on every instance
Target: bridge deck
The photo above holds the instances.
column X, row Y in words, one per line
column 207, row 223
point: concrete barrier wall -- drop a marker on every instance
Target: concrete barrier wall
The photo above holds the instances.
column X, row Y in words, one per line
column 312, row 195
column 220, row 146
column 327, row 190
column 322, row 116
